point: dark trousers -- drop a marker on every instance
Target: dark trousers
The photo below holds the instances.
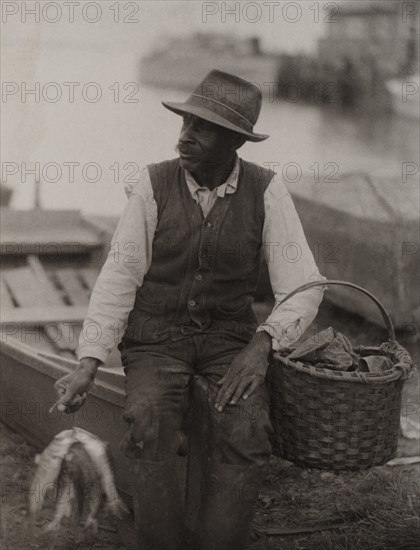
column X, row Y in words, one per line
column 158, row 377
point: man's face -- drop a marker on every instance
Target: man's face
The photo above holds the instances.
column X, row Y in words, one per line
column 202, row 145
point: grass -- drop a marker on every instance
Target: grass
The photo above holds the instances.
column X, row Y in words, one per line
column 381, row 506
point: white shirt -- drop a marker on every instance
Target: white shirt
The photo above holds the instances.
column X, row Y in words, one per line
column 289, row 259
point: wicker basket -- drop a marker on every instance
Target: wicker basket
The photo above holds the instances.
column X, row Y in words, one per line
column 338, row 420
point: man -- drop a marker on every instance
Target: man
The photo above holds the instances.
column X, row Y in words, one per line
column 181, row 286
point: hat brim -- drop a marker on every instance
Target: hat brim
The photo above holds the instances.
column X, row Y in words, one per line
column 210, row 116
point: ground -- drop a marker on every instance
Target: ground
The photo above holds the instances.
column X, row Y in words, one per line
column 375, row 509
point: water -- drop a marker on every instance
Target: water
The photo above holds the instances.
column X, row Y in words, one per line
column 120, row 137
column 123, row 138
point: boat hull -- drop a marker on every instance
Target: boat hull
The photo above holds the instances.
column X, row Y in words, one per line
column 366, row 231
column 27, row 394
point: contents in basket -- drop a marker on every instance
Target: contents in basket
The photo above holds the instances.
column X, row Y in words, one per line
column 332, row 350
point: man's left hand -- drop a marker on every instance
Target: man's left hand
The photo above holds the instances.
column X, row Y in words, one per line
column 246, row 373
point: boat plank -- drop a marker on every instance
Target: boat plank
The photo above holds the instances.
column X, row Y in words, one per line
column 70, row 281
column 40, row 315
column 24, row 287
column 49, row 231
column 89, row 276
column 6, row 299
column 106, row 224
column 61, row 336
column 58, row 334
column 20, row 333
column 45, row 286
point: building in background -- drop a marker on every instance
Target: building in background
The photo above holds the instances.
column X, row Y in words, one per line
column 372, row 43
column 382, row 35
column 180, row 62
column 368, row 43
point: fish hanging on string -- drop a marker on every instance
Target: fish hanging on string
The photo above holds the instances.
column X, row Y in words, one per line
column 100, row 455
column 77, row 466
column 49, row 464
column 66, row 494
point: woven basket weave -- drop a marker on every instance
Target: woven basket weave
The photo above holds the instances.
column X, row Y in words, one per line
column 338, row 420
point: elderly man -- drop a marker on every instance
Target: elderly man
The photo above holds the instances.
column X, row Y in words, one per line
column 179, row 282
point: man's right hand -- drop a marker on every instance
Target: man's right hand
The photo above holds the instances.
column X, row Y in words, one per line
column 72, row 388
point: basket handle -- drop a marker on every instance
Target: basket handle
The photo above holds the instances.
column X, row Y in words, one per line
column 386, row 317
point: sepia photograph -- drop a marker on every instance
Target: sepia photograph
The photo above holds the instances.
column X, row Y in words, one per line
column 210, row 266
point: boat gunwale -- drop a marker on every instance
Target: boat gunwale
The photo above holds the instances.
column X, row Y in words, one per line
column 108, row 385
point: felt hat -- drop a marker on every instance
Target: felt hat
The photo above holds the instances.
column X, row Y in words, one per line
column 226, row 100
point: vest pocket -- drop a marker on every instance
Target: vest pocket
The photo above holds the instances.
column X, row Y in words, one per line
column 225, row 313
column 157, row 308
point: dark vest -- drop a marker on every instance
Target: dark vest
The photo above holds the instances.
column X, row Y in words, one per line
column 204, row 271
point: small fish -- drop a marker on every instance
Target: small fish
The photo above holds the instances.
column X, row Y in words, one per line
column 77, row 465
column 65, row 497
column 101, row 458
column 49, row 466
column 88, row 484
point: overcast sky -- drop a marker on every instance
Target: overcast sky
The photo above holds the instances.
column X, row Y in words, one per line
column 282, row 26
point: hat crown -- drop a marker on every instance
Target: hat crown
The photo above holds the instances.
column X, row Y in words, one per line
column 243, row 98
column 225, row 100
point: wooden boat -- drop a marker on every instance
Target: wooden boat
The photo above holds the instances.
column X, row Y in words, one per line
column 27, row 394
column 50, row 262
column 366, row 230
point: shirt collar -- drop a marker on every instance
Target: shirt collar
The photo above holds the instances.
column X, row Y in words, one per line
column 229, row 186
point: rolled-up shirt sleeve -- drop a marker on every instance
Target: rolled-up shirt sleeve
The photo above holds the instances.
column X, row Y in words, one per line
column 290, row 264
column 122, row 274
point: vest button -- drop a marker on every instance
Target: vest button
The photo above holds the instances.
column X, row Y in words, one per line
column 192, row 303
column 207, row 224
column 198, row 276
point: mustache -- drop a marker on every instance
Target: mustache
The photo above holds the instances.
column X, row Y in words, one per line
column 187, row 148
